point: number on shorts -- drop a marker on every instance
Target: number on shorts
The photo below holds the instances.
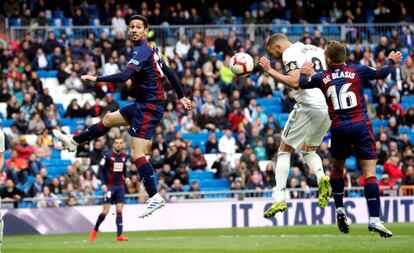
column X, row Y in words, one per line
column 347, row 99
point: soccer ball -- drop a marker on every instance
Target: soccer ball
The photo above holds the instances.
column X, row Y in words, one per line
column 241, row 64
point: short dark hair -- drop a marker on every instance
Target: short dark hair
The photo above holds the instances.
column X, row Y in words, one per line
column 139, row 17
column 335, row 51
column 276, row 38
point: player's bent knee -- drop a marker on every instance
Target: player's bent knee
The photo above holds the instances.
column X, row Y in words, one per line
column 285, row 148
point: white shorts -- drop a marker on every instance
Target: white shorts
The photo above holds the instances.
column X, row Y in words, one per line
column 306, row 125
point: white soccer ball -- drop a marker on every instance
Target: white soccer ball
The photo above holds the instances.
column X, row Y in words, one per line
column 241, row 64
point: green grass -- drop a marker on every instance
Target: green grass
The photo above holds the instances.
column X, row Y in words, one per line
column 270, row 239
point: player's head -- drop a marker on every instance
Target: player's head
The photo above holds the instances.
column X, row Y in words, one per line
column 335, row 53
column 138, row 28
column 118, row 143
column 277, row 44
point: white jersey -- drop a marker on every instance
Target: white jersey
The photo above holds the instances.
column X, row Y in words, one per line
column 293, row 58
column 2, row 141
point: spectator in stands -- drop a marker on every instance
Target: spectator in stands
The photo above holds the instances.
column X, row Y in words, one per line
column 79, row 18
column 118, row 22
column 237, row 116
column 24, row 150
column 167, row 174
column 408, row 38
column 396, row 110
column 383, row 109
column 34, row 165
column 260, row 151
column 392, row 130
column 227, row 143
column 195, row 187
column 392, row 168
column 182, row 47
column 409, row 176
column 188, row 124
column 74, row 110
column 385, row 184
column 13, row 108
column 211, row 144
column 41, row 20
column 409, row 117
column 36, row 125
column 256, row 183
column 97, row 153
column 37, row 187
column 88, row 179
column 395, row 40
column 408, row 67
column 73, row 82
column 198, row 162
column 40, row 62
column 288, row 102
column 72, row 178
column 47, row 198
column 12, row 193
column 27, row 107
column 160, row 144
column 56, row 187
column 156, row 160
column 265, row 90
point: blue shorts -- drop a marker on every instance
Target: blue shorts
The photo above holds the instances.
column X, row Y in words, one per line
column 115, row 195
column 142, row 118
column 356, row 139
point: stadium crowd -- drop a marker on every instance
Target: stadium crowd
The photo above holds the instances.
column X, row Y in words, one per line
column 221, row 103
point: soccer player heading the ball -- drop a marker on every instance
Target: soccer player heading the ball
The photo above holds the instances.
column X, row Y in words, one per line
column 308, row 122
column 351, row 129
column 145, row 69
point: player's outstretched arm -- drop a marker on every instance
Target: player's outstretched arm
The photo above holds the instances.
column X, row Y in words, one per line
column 371, row 73
column 115, row 78
column 291, row 79
column 175, row 83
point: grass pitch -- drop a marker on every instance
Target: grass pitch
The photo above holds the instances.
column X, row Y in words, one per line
column 270, row 239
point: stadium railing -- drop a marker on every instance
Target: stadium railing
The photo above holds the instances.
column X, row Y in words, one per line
column 170, row 34
column 213, row 195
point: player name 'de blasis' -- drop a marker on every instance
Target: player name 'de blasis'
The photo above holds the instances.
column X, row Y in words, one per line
column 341, row 74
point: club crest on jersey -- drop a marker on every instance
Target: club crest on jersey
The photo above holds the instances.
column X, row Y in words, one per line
column 133, row 62
column 291, row 66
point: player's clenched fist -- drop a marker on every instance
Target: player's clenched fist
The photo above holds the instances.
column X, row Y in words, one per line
column 186, row 103
column 264, row 63
column 395, row 56
column 307, row 68
column 88, row 78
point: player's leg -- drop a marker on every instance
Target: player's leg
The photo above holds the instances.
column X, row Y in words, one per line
column 146, row 117
column 319, row 125
column 366, row 154
column 119, row 224
column 101, row 218
column 292, row 137
column 94, row 131
column 338, row 185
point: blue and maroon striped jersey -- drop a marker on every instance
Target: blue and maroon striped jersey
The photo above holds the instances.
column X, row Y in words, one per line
column 113, row 169
column 342, row 87
column 147, row 79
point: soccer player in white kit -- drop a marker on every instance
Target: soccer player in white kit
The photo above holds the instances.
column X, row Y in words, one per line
column 2, row 149
column 308, row 122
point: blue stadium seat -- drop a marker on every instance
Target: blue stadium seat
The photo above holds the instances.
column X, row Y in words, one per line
column 7, row 122
column 351, row 164
column 199, row 174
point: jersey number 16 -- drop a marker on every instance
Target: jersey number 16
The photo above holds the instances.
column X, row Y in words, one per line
column 344, row 100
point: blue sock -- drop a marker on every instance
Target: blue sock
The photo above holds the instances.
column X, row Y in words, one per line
column 146, row 174
column 101, row 218
column 119, row 223
column 95, row 131
column 372, row 195
column 338, row 185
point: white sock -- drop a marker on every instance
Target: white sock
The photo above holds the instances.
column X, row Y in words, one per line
column 314, row 163
column 373, row 219
column 1, row 232
column 281, row 175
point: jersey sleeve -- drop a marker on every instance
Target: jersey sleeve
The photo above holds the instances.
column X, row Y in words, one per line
column 289, row 61
column 366, row 72
column 2, row 142
column 138, row 58
column 310, row 82
column 102, row 169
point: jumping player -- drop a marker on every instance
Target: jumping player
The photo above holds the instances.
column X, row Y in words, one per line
column 112, row 172
column 351, row 130
column 307, row 123
column 145, row 70
column 2, row 149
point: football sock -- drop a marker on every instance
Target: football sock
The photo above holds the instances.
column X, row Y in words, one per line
column 100, row 219
column 314, row 163
column 94, row 131
column 119, row 223
column 146, row 173
column 338, row 185
column 372, row 195
column 281, row 175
